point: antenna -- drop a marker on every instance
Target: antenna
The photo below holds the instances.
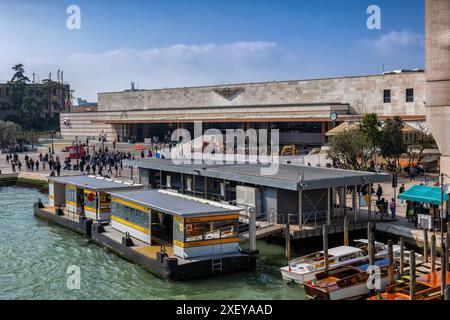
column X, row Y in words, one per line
column 58, row 76
column 62, row 77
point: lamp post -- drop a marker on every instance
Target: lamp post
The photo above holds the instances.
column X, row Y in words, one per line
column 53, row 149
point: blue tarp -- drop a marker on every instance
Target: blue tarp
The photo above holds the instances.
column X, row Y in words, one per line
column 424, row 194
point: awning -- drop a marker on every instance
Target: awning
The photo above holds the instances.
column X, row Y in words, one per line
column 424, row 194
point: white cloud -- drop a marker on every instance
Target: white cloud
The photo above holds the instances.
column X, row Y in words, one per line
column 395, row 41
column 176, row 65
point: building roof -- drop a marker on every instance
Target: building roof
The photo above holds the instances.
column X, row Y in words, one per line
column 176, row 204
column 408, row 127
column 94, row 183
column 287, row 177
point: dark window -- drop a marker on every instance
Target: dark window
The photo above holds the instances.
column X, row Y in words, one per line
column 387, row 96
column 409, row 95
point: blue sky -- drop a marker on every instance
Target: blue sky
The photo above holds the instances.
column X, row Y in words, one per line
column 169, row 43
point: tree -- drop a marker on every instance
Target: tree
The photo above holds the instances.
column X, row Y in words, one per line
column 10, row 134
column 370, row 126
column 18, row 85
column 350, row 150
column 391, row 141
column 424, row 140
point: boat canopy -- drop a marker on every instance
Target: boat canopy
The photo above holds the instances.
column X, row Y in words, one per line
column 424, row 194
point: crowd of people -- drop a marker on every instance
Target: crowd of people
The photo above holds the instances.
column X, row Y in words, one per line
column 43, row 162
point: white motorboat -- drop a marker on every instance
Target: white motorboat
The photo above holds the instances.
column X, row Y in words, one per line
column 303, row 269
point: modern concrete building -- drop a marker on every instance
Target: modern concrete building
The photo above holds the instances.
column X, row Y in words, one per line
column 300, row 109
column 438, row 75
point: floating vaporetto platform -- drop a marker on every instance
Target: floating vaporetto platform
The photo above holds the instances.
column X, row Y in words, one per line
column 174, row 236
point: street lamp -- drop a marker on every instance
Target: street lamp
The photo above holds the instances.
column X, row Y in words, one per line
column 53, row 149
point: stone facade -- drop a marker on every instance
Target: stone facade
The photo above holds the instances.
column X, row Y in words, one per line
column 438, row 75
column 285, row 101
column 363, row 94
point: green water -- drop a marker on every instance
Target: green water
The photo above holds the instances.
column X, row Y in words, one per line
column 35, row 255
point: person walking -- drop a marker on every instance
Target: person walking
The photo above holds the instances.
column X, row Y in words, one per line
column 379, row 192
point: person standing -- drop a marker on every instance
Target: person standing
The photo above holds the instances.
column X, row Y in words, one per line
column 393, row 208
column 401, row 190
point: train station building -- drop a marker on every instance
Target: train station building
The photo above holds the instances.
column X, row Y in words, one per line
column 302, row 110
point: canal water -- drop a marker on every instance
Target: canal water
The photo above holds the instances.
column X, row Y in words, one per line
column 35, row 257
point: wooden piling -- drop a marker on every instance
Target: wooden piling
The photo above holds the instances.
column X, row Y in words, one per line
column 372, row 249
column 443, row 271
column 412, row 273
column 325, row 247
column 402, row 256
column 433, row 253
column 288, row 242
column 346, row 239
column 425, row 245
column 391, row 262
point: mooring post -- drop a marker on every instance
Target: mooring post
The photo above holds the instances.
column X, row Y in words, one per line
column 346, row 239
column 372, row 249
column 433, row 253
column 402, row 256
column 443, row 271
column 412, row 273
column 391, row 262
column 325, row 247
column 288, row 242
column 425, row 245
column 252, row 230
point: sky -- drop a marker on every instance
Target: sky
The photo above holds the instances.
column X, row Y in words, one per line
column 180, row 43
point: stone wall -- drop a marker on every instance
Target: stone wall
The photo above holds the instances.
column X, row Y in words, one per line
column 363, row 94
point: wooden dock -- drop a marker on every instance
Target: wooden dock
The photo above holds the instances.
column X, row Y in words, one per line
column 264, row 232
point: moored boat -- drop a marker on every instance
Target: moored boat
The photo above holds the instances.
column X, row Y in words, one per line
column 303, row 269
column 347, row 282
column 428, row 287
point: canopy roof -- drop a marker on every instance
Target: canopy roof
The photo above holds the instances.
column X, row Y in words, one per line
column 175, row 204
column 94, row 183
column 424, row 194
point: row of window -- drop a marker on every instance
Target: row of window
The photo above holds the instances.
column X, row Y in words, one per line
column 387, row 95
column 131, row 215
column 71, row 195
column 4, row 92
column 211, row 230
